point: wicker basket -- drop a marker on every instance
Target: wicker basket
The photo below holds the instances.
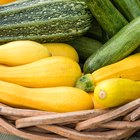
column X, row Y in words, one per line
column 114, row 124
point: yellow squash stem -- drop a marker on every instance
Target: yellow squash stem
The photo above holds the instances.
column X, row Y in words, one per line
column 128, row 67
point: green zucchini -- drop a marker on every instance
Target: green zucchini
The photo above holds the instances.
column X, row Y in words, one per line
column 85, row 46
column 95, row 31
column 44, row 20
column 110, row 19
column 18, row 4
column 129, row 8
column 137, row 50
column 117, row 48
column 105, row 37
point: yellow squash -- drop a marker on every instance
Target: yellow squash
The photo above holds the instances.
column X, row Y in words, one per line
column 48, row 72
column 55, row 99
column 115, row 92
column 126, row 68
column 62, row 49
column 22, row 52
column 6, row 1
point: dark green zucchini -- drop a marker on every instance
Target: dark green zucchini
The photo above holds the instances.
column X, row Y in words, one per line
column 117, row 48
column 95, row 31
column 137, row 50
column 107, row 15
column 85, row 46
column 105, row 37
column 129, row 8
column 44, row 20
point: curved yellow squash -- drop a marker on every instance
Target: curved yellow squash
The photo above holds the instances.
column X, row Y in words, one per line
column 22, row 52
column 55, row 99
column 48, row 72
column 115, row 92
column 128, row 67
column 62, row 49
column 6, row 1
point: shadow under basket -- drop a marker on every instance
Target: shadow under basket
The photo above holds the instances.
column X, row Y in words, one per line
column 112, row 124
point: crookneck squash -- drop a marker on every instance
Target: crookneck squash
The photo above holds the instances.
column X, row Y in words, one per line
column 54, row 99
column 62, row 49
column 126, row 68
column 115, row 92
column 48, row 72
column 22, row 52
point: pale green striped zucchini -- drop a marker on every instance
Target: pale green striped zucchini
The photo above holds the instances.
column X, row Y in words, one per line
column 44, row 20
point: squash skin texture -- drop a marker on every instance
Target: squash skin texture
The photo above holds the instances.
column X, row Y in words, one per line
column 55, row 99
column 115, row 92
column 22, row 52
column 48, row 72
column 62, row 49
column 128, row 67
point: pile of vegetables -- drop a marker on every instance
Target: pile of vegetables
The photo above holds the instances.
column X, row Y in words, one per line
column 63, row 56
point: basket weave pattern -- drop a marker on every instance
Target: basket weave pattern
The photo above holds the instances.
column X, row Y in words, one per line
column 113, row 124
